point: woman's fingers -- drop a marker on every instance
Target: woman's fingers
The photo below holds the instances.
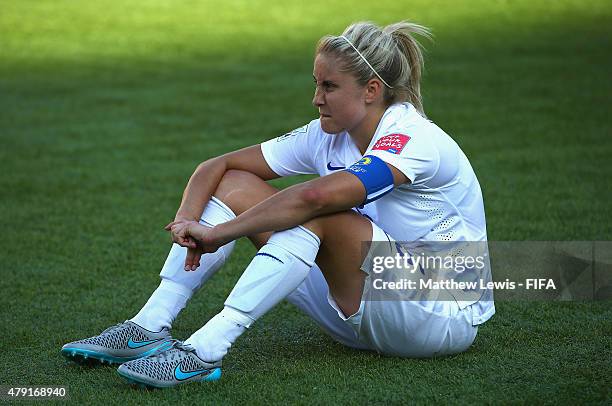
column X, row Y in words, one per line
column 173, row 223
column 187, row 242
column 180, row 235
column 189, row 259
column 192, row 260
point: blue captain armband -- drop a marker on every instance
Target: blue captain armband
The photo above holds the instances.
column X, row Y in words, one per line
column 375, row 175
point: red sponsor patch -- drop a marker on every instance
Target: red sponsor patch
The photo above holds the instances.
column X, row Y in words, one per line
column 393, row 143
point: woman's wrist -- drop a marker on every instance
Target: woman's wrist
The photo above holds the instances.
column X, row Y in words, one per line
column 219, row 234
column 194, row 230
column 181, row 216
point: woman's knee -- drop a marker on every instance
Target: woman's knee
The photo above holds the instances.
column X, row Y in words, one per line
column 241, row 190
column 234, row 181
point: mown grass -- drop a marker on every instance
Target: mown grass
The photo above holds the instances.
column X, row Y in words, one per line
column 107, row 107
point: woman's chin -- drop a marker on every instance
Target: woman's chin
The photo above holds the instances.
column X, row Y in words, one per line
column 328, row 127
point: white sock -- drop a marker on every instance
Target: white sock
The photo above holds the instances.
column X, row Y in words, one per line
column 214, row 340
column 278, row 269
column 216, row 212
column 163, row 306
column 177, row 285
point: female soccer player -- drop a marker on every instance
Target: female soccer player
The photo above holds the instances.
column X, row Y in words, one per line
column 386, row 174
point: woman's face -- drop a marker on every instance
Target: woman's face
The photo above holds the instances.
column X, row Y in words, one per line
column 338, row 97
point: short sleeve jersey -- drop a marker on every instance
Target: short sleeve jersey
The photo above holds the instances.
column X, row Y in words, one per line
column 443, row 200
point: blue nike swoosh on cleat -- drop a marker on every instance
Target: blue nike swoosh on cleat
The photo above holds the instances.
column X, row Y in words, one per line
column 181, row 375
column 137, row 344
column 334, row 168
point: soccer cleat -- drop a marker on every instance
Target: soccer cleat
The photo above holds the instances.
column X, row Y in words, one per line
column 176, row 366
column 123, row 342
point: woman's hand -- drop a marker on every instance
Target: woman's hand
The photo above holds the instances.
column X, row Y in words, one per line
column 197, row 238
column 178, row 232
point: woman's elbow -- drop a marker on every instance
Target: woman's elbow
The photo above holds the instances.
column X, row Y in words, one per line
column 315, row 198
column 209, row 163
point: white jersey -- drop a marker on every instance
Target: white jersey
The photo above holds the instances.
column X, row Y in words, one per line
column 442, row 202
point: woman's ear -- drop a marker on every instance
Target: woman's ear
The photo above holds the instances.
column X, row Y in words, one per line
column 373, row 90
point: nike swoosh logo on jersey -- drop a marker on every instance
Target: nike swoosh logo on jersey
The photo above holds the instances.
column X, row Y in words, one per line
column 181, row 375
column 138, row 344
column 334, row 168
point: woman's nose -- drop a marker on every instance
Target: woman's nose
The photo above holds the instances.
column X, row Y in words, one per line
column 318, row 100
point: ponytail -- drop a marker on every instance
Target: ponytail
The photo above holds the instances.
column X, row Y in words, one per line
column 410, row 84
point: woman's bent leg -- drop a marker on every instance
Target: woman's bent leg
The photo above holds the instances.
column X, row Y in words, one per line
column 241, row 190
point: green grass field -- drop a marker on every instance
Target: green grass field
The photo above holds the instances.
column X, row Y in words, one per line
column 106, row 108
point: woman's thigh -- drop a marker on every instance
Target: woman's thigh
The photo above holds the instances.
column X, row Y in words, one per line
column 240, row 191
column 345, row 239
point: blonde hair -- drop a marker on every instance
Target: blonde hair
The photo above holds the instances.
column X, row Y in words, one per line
column 390, row 53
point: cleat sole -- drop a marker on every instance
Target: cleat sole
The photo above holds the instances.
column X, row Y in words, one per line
column 81, row 355
column 215, row 375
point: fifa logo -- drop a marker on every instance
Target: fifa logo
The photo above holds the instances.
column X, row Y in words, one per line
column 539, row 284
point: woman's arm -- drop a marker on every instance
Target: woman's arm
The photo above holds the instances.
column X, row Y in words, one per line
column 296, row 205
column 208, row 174
column 288, row 208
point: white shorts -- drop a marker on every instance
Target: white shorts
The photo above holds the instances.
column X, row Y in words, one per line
column 408, row 328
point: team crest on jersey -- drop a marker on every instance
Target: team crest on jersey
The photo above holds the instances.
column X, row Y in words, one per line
column 297, row 131
column 393, row 143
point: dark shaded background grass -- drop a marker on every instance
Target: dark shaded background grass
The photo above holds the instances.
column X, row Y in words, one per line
column 106, row 109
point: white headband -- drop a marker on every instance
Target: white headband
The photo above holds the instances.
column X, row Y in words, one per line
column 366, row 61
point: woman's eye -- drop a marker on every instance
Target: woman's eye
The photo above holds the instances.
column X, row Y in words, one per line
column 326, row 86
